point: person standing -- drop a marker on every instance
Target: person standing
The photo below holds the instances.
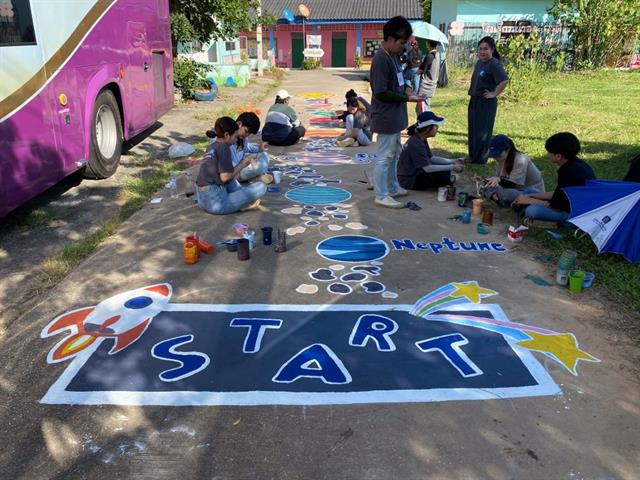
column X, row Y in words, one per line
column 489, row 80
column 389, row 110
column 428, row 73
column 414, row 59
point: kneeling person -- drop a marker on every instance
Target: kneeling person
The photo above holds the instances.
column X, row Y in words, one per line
column 218, row 191
column 418, row 168
column 357, row 129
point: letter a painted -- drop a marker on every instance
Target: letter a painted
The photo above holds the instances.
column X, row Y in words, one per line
column 449, row 346
column 375, row 327
column 190, row 362
column 314, row 361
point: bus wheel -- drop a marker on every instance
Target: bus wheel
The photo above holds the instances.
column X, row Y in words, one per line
column 106, row 137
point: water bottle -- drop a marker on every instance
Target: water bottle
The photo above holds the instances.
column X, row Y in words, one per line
column 173, row 184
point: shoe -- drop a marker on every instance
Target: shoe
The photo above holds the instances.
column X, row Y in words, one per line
column 266, row 178
column 388, row 202
column 251, row 206
column 400, row 193
column 347, row 142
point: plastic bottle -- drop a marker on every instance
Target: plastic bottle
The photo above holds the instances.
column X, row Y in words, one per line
column 173, row 184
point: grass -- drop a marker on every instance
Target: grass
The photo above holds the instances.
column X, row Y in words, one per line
column 602, row 108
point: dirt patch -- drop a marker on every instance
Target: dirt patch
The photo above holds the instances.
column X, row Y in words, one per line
column 75, row 208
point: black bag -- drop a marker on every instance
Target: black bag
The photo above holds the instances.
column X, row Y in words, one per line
column 443, row 76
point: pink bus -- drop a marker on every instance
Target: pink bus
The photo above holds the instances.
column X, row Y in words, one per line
column 77, row 78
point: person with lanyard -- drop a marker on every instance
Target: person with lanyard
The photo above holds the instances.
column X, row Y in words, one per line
column 282, row 126
column 389, row 110
column 562, row 149
column 516, row 174
column 249, row 124
column 488, row 80
column 218, row 191
column 418, row 168
column 428, row 73
column 357, row 131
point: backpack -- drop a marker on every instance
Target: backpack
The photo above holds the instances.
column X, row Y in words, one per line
column 443, row 77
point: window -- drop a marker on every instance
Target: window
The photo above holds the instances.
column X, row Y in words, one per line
column 229, row 46
column 16, row 23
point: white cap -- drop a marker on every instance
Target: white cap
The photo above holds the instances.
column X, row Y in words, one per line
column 283, row 94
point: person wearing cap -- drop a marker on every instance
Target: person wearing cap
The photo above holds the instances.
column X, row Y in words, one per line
column 282, row 126
column 516, row 174
column 418, row 168
column 389, row 114
column 562, row 150
column 357, row 131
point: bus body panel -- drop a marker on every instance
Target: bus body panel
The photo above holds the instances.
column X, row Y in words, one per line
column 44, row 140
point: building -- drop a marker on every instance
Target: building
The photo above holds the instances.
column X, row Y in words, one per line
column 346, row 28
column 510, row 13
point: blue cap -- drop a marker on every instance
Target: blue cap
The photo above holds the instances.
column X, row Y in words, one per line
column 499, row 144
column 428, row 118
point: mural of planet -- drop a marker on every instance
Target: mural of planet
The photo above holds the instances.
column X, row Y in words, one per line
column 318, row 195
column 352, row 248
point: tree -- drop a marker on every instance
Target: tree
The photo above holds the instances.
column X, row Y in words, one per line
column 206, row 20
column 426, row 10
column 599, row 29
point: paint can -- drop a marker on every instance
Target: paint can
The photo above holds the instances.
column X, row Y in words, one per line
column 477, row 206
column 267, row 233
column 463, row 197
column 193, row 238
column 281, row 241
column 466, row 216
column 243, row 249
column 442, row 194
column 190, row 253
column 576, row 280
column 451, row 193
column 487, row 216
column 482, row 229
column 562, row 277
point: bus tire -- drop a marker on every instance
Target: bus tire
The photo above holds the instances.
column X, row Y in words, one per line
column 106, row 137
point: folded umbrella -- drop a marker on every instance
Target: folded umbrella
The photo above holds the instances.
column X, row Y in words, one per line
column 609, row 212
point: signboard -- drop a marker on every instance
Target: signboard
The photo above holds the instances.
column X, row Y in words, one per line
column 314, row 41
column 313, row 52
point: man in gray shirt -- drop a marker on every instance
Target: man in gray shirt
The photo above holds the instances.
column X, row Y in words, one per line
column 389, row 110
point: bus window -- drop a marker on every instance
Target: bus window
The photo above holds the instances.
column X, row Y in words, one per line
column 16, row 23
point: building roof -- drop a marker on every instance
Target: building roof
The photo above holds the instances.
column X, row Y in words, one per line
column 344, row 10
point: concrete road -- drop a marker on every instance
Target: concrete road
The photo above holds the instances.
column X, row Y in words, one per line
column 587, row 430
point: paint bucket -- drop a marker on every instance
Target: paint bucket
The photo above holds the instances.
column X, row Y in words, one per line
column 576, row 279
column 482, row 229
column 477, row 206
column 588, row 279
column 567, row 260
column 562, row 277
column 451, row 193
column 442, row 194
column 190, row 253
column 277, row 176
column 487, row 216
column 243, row 249
column 267, row 233
column 463, row 197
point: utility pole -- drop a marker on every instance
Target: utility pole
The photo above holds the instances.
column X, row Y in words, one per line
column 259, row 38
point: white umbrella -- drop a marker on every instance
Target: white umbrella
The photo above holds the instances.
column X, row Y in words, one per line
column 429, row 32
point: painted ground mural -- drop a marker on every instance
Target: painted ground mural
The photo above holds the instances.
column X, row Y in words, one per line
column 137, row 348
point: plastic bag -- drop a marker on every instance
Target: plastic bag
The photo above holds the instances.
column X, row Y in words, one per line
column 181, row 149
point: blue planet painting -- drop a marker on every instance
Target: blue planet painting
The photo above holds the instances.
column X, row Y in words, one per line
column 352, row 248
column 318, row 195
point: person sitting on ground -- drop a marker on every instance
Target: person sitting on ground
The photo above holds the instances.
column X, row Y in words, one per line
column 562, row 149
column 363, row 104
column 516, row 174
column 418, row 168
column 217, row 190
column 357, row 130
column 282, row 127
column 249, row 124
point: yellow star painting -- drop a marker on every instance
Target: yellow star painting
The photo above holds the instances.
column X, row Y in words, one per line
column 472, row 291
column 563, row 346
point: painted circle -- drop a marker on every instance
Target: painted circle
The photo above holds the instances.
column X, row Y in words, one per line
column 352, row 248
column 314, row 194
column 136, row 303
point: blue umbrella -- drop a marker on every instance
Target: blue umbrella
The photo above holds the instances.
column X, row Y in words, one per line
column 429, row 32
column 609, row 211
column 288, row 16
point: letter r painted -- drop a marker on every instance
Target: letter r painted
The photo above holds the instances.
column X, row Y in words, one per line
column 375, row 327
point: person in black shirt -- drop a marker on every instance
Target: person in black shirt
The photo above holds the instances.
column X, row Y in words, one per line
column 563, row 149
column 218, row 190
